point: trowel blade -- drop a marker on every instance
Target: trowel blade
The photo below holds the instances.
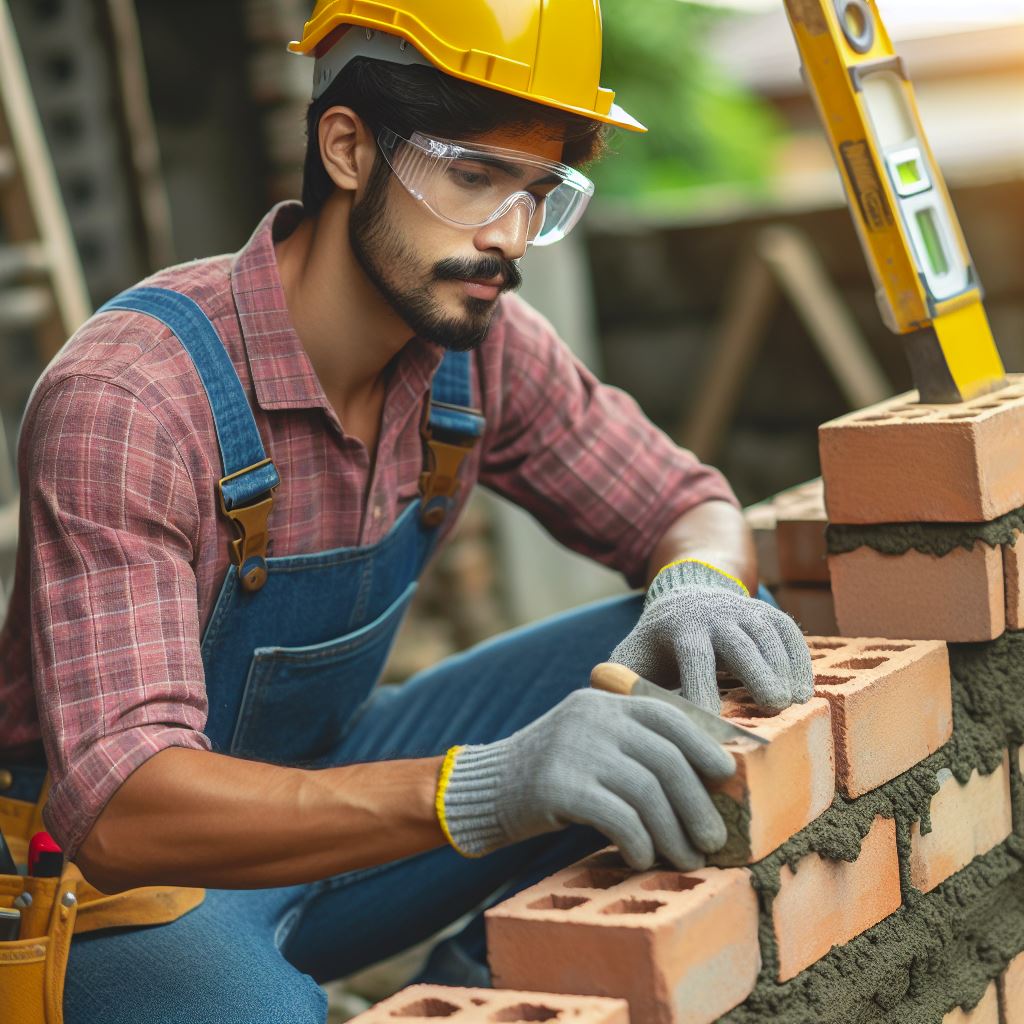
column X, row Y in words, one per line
column 720, row 728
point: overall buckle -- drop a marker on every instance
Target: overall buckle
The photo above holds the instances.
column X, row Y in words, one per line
column 249, row 549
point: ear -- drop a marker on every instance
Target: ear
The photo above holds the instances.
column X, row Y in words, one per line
column 347, row 147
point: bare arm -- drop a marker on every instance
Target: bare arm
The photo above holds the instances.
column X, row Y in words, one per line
column 714, row 532
column 191, row 817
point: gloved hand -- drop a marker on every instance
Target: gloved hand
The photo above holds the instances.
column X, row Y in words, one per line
column 626, row 766
column 694, row 612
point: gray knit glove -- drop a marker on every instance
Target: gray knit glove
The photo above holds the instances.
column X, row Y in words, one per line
column 626, row 766
column 694, row 616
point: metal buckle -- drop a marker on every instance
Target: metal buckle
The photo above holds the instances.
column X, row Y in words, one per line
column 439, row 484
column 249, row 549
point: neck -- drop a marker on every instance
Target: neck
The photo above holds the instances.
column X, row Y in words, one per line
column 348, row 330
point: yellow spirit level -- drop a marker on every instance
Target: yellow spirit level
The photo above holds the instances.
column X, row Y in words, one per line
column 925, row 283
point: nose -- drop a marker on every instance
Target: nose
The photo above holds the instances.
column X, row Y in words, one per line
column 509, row 233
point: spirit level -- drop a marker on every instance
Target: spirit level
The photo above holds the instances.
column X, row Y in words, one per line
column 925, row 283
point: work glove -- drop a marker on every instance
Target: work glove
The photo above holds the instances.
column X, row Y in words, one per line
column 627, row 766
column 696, row 616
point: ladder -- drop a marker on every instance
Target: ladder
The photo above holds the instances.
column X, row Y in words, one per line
column 42, row 288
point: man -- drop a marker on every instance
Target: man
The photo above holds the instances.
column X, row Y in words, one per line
column 233, row 477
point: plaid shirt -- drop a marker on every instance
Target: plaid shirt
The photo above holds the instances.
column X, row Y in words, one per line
column 123, row 549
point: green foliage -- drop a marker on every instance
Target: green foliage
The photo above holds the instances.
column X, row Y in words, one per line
column 704, row 129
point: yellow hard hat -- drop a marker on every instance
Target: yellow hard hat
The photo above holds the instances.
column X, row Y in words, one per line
column 546, row 51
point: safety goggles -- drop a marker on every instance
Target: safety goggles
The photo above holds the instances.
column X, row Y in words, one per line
column 471, row 185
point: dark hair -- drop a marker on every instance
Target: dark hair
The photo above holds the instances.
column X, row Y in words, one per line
column 410, row 98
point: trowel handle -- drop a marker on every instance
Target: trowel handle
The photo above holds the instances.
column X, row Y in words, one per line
column 613, row 678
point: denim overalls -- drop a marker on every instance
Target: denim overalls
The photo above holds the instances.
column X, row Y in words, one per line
column 291, row 654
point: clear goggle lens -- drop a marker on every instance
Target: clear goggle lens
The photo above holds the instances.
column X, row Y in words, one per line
column 470, row 186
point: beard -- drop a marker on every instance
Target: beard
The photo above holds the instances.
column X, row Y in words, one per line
column 407, row 285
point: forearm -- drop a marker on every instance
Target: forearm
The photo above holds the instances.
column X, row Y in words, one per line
column 713, row 532
column 190, row 817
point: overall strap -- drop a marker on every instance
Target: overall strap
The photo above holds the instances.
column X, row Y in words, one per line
column 250, row 477
column 451, row 429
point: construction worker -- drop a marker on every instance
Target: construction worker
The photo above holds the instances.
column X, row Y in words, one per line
column 234, row 475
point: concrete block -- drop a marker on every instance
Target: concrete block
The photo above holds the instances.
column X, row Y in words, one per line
column 1011, row 991
column 958, row 597
column 825, row 903
column 899, row 461
column 811, row 605
column 485, row 1005
column 1013, row 582
column 781, row 787
column 967, row 821
column 986, row 1012
column 761, row 520
column 800, row 523
column 892, row 705
column 682, row 948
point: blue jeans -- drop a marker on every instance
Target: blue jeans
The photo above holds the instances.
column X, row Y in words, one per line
column 255, row 956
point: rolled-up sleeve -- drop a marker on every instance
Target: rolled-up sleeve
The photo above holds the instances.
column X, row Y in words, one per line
column 116, row 647
column 582, row 457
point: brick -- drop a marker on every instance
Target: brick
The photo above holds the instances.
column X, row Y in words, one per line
column 800, row 523
column 783, row 786
column 682, row 948
column 813, row 607
column 485, row 1005
column 986, row 1012
column 761, row 520
column 825, row 903
column 967, row 821
column 892, row 705
column 1013, row 582
column 902, row 462
column 958, row 597
column 1011, row 992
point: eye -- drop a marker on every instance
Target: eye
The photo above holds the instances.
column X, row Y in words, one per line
column 469, row 177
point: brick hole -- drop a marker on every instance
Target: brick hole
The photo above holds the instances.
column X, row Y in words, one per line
column 670, row 881
column 599, row 878
column 887, row 647
column 878, row 418
column 826, row 645
column 863, row 662
column 557, row 902
column 913, row 413
column 427, row 1008
column 527, row 1011
column 60, row 67
column 818, row 657
column 832, row 680
column 477, row 1001
column 633, row 906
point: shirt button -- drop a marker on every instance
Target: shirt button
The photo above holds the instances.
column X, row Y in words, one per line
column 6, row 779
column 376, row 512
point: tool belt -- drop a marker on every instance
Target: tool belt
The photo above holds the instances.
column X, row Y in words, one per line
column 32, row 969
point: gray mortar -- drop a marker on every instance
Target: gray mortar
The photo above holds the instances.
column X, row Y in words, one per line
column 942, row 948
column 928, row 538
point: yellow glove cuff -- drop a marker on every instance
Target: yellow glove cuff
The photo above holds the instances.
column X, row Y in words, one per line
column 707, row 565
column 445, row 776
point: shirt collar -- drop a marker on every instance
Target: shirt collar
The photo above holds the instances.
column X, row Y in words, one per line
column 282, row 375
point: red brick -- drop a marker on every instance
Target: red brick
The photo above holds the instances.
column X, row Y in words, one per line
column 761, row 520
column 825, row 903
column 1011, row 992
column 784, row 785
column 967, row 821
column 485, row 1005
column 1013, row 576
column 682, row 948
column 958, row 597
column 902, row 462
column 800, row 523
column 986, row 1012
column 813, row 607
column 892, row 705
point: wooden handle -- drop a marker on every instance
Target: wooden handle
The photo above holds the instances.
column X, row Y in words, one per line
column 613, row 678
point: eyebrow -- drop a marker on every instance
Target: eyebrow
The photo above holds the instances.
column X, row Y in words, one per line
column 511, row 169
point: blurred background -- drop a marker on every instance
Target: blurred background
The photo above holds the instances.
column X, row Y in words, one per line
column 715, row 277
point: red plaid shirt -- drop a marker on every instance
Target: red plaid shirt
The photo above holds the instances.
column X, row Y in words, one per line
column 123, row 550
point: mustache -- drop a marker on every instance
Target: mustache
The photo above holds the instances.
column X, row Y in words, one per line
column 483, row 269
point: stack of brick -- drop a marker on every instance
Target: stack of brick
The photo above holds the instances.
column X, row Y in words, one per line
column 789, row 531
column 874, row 866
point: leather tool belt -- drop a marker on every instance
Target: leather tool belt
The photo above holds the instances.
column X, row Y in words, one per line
column 32, row 968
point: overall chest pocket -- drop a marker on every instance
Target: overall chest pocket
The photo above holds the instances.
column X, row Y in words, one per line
column 297, row 700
